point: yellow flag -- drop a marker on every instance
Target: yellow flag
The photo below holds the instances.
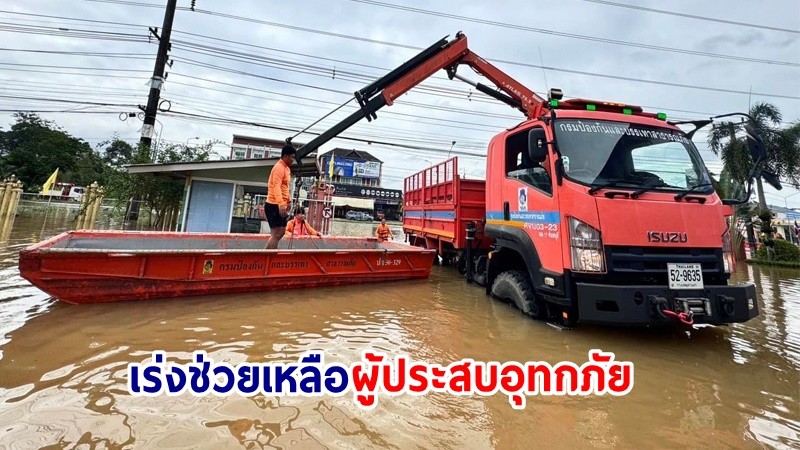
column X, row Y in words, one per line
column 48, row 185
column 330, row 168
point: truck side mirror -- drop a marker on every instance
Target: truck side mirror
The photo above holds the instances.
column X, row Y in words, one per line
column 772, row 179
column 537, row 145
column 754, row 143
column 758, row 152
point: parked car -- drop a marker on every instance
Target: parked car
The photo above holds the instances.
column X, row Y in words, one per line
column 358, row 215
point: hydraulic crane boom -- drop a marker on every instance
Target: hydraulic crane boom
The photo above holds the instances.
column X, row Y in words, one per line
column 443, row 54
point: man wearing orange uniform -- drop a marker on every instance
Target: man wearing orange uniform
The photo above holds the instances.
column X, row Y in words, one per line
column 276, row 207
column 299, row 227
column 383, row 231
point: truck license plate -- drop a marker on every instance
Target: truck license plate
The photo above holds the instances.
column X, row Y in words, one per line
column 685, row 276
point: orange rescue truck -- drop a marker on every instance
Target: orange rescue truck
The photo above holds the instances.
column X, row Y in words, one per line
column 591, row 212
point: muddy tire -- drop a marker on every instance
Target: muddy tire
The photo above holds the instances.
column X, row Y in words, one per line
column 515, row 287
column 461, row 265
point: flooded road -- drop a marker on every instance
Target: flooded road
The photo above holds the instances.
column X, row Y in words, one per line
column 63, row 369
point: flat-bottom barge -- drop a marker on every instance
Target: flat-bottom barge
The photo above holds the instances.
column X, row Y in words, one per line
column 110, row 266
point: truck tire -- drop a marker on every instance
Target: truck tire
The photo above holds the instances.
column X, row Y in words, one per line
column 514, row 286
column 461, row 265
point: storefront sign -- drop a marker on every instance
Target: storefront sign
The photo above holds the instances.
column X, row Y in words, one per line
column 349, row 190
column 367, row 169
column 343, row 167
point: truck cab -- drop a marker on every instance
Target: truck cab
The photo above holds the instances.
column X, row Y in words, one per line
column 76, row 193
column 606, row 214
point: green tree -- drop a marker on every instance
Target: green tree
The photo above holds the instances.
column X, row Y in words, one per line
column 89, row 167
column 782, row 145
column 116, row 152
column 33, row 148
column 159, row 196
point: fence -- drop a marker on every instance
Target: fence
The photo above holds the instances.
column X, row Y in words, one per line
column 10, row 193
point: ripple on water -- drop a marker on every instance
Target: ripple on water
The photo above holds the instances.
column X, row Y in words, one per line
column 63, row 371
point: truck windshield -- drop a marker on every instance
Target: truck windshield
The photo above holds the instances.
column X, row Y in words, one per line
column 622, row 154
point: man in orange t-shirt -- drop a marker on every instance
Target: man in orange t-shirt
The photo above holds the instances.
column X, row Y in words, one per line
column 276, row 208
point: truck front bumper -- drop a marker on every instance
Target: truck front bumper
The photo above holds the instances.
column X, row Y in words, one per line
column 643, row 305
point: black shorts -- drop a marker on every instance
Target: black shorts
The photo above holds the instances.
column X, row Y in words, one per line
column 274, row 218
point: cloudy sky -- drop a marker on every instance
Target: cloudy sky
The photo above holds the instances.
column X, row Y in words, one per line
column 286, row 64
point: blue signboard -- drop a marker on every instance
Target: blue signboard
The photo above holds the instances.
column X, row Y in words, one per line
column 344, row 167
column 341, row 167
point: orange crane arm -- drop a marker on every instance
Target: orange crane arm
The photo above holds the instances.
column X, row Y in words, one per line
column 443, row 54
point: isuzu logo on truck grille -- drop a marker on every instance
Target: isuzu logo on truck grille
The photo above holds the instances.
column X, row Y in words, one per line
column 666, row 236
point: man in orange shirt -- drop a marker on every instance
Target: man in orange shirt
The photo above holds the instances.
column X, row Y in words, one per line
column 276, row 208
column 299, row 227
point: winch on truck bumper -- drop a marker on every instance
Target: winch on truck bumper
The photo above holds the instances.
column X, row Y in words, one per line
column 644, row 305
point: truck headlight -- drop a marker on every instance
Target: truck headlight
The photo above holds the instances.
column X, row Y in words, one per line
column 586, row 246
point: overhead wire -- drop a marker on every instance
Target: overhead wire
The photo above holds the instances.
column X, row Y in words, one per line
column 512, row 26
column 422, row 105
column 76, row 19
column 77, row 53
column 550, row 68
column 559, row 69
column 693, row 16
column 72, row 33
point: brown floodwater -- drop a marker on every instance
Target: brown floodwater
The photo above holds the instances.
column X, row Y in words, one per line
column 63, row 381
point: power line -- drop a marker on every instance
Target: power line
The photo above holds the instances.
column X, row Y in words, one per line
column 63, row 111
column 75, row 53
column 384, row 136
column 502, row 61
column 692, row 16
column 72, row 33
column 72, row 67
column 514, row 63
column 46, row 16
column 427, row 106
column 314, row 100
column 397, row 134
column 506, row 25
column 61, row 86
column 287, row 129
column 128, row 3
column 53, row 72
column 58, row 100
column 318, row 71
column 318, row 102
column 406, row 135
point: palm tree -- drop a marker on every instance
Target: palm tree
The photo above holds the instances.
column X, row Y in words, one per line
column 782, row 145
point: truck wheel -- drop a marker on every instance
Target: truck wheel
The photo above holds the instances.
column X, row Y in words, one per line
column 514, row 286
column 461, row 265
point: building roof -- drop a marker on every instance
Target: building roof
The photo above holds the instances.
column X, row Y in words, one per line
column 241, row 170
column 257, row 141
column 351, row 154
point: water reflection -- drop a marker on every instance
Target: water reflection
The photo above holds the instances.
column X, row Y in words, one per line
column 63, row 368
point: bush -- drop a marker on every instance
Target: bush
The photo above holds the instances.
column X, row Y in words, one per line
column 782, row 251
column 790, row 265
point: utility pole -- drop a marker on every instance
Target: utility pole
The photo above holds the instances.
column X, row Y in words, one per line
column 157, row 81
